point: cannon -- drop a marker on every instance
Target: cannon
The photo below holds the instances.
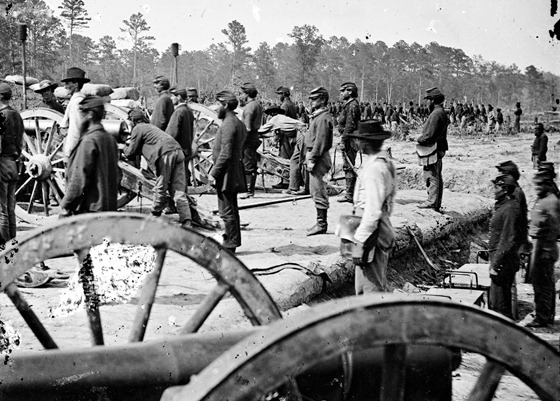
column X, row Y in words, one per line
column 358, row 348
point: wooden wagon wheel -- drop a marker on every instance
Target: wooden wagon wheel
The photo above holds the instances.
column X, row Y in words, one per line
column 205, row 128
column 292, row 346
column 78, row 234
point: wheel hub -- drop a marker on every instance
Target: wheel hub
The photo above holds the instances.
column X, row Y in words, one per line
column 39, row 167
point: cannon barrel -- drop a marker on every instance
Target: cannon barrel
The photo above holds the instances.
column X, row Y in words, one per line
column 113, row 127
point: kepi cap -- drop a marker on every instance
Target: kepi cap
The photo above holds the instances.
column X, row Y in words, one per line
column 5, row 88
column 248, row 86
column 432, row 92
column 225, row 96
column 179, row 92
column 44, row 85
column 315, row 93
column 509, row 167
column 504, row 180
column 75, row 74
column 283, row 90
column 370, row 130
column 91, row 102
column 274, row 109
column 161, row 79
column 192, row 92
column 136, row 114
column 348, row 85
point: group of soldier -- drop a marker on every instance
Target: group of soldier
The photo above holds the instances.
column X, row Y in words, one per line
column 166, row 142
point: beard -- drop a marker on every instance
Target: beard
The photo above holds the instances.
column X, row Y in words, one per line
column 222, row 112
column 431, row 107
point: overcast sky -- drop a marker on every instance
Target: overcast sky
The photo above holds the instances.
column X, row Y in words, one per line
column 506, row 31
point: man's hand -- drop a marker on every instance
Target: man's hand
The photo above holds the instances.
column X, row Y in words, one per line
column 358, row 253
column 341, row 145
column 310, row 165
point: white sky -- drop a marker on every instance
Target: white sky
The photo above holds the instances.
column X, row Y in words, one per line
column 506, row 31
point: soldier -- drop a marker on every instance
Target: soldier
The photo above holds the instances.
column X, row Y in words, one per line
column 164, row 106
column 287, row 139
column 74, row 82
column 181, row 127
column 517, row 112
column 504, row 245
column 11, row 137
column 540, row 146
column 46, row 90
column 318, row 141
column 252, row 118
column 544, row 230
column 165, row 157
column 373, row 201
column 93, row 174
column 434, row 133
column 228, row 168
column 347, row 124
column 192, row 95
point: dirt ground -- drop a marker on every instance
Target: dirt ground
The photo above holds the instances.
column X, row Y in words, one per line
column 276, row 234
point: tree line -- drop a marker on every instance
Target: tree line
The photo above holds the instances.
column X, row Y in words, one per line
column 397, row 73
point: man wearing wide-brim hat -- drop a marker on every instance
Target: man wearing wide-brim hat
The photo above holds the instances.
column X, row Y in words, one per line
column 374, row 195
column 73, row 82
column 433, row 142
column 46, row 89
column 544, row 230
column 192, row 95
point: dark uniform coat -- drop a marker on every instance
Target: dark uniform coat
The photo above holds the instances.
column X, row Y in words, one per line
column 181, row 128
column 151, row 142
column 290, row 108
column 319, row 140
column 227, row 154
column 163, row 111
column 349, row 117
column 93, row 174
column 435, row 129
column 54, row 105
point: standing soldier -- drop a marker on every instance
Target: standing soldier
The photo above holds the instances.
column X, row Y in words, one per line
column 434, row 133
column 192, row 95
column 252, row 118
column 11, row 137
column 181, row 127
column 373, row 201
column 164, row 106
column 165, row 157
column 347, row 124
column 93, row 174
column 318, row 142
column 287, row 139
column 544, row 230
column 228, row 168
column 46, row 90
column 517, row 112
column 540, row 146
column 504, row 245
column 74, row 82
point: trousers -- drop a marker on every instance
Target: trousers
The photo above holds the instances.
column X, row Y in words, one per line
column 542, row 277
column 434, row 181
column 298, row 172
column 170, row 177
column 7, row 210
column 229, row 212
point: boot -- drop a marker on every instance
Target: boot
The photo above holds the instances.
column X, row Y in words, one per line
column 251, row 180
column 349, row 195
column 321, row 226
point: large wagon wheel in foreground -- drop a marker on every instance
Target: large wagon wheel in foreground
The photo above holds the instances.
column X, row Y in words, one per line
column 79, row 233
column 260, row 363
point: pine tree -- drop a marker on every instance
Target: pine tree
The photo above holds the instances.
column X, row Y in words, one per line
column 135, row 28
column 76, row 16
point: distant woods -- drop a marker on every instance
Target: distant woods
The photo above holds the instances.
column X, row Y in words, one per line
column 397, row 73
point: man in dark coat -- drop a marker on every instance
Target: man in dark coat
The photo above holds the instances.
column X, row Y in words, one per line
column 164, row 106
column 93, row 174
column 10, row 150
column 504, row 245
column 348, row 123
column 434, row 133
column 228, row 168
column 545, row 231
column 165, row 157
column 252, row 118
column 287, row 139
column 517, row 112
column 318, row 142
column 181, row 127
column 46, row 90
column 540, row 146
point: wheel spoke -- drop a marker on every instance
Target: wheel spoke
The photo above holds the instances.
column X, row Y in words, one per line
column 30, row 317
column 56, row 149
column 198, row 136
column 205, row 308
column 26, row 154
column 45, row 190
column 90, row 295
column 207, row 141
column 58, row 169
column 33, row 194
column 57, row 161
column 50, row 138
column 38, row 136
column 147, row 299
column 29, row 144
column 26, row 183
column 394, row 373
column 54, row 190
column 486, row 385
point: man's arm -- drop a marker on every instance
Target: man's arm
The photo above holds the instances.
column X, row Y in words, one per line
column 507, row 238
column 543, row 148
column 162, row 113
column 133, row 148
column 352, row 118
column 323, row 139
column 226, row 150
column 248, row 114
column 375, row 197
column 173, row 126
column 79, row 172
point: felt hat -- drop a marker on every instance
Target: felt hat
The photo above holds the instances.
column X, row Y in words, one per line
column 91, row 102
column 274, row 109
column 432, row 92
column 315, row 93
column 248, row 86
column 225, row 96
column 192, row 92
column 283, row 90
column 5, row 88
column 136, row 114
column 348, row 85
column 504, row 180
column 179, row 92
column 75, row 74
column 44, row 85
column 509, row 167
column 370, row 130
column 161, row 79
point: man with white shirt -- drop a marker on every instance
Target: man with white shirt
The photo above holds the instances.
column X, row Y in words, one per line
column 74, row 82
